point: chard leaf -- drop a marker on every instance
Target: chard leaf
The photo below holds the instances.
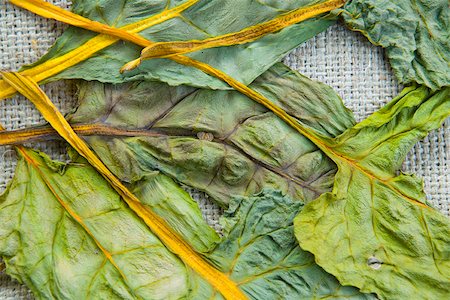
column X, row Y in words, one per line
column 259, row 252
column 204, row 19
column 248, row 147
column 67, row 234
column 228, row 147
column 415, row 34
column 375, row 230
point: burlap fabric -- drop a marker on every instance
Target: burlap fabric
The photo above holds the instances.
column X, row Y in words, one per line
column 358, row 71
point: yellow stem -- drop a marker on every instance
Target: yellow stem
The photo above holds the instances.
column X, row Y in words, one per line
column 22, row 136
column 30, row 89
column 247, row 35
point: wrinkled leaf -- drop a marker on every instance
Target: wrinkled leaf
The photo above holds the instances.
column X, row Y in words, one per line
column 67, row 234
column 203, row 20
column 247, row 35
column 219, row 141
column 375, row 230
column 230, row 146
column 416, row 35
column 172, row 240
column 260, row 253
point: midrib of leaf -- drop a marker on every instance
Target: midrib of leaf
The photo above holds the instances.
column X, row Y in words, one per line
column 157, row 225
column 32, row 134
column 247, row 35
column 370, row 175
column 27, row 135
column 74, row 215
column 92, row 46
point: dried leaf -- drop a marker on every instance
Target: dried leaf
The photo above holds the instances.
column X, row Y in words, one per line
column 375, row 230
column 251, row 148
column 415, row 34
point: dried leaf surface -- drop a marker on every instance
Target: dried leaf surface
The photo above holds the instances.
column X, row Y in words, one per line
column 416, row 36
column 375, row 230
column 219, row 141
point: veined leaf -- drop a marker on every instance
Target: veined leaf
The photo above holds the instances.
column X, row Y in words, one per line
column 247, row 35
column 415, row 34
column 171, row 239
column 197, row 22
column 228, row 147
column 62, row 244
column 375, row 230
column 67, row 234
column 259, row 234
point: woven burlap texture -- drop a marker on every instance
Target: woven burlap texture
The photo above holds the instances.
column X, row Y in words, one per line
column 358, row 71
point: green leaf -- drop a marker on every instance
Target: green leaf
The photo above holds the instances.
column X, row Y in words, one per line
column 67, row 234
column 202, row 20
column 415, row 34
column 260, row 253
column 375, row 230
column 228, row 147
column 218, row 141
column 176, row 207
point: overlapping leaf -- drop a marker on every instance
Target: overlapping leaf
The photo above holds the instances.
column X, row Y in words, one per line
column 63, row 244
column 67, row 234
column 416, row 36
column 202, row 20
column 367, row 201
column 259, row 235
column 375, row 229
column 216, row 141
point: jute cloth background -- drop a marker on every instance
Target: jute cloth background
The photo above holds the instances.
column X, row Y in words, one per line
column 358, row 71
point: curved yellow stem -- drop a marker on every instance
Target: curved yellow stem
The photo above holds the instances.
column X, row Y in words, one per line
column 247, row 35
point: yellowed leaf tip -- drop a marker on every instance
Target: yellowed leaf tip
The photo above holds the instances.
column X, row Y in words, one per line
column 130, row 65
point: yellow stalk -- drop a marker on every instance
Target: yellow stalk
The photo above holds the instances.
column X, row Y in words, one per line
column 51, row 11
column 22, row 136
column 56, row 65
column 247, row 35
column 30, row 89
